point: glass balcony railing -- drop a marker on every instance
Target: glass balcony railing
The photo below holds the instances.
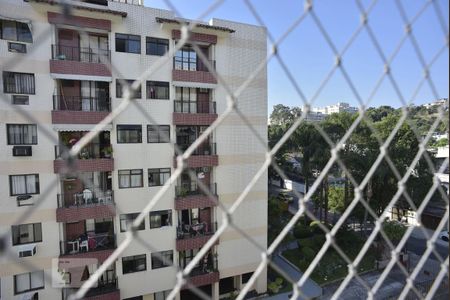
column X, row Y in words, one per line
column 85, row 198
column 186, row 189
column 80, row 103
column 187, row 231
column 203, row 149
column 81, row 54
column 194, row 107
column 89, row 242
column 90, row 151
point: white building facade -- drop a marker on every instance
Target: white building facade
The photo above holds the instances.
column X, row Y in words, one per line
column 57, row 86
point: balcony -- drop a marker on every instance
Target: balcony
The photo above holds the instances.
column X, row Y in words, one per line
column 192, row 71
column 105, row 290
column 74, row 207
column 205, row 273
column 204, row 155
column 79, row 61
column 93, row 157
column 79, row 110
column 187, row 198
column 194, row 112
column 89, row 245
column 194, row 236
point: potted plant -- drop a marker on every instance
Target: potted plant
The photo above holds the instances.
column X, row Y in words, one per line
column 107, row 151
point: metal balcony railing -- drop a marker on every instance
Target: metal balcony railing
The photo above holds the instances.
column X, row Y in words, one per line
column 103, row 287
column 187, row 231
column 90, row 151
column 85, row 199
column 189, row 64
column 81, row 54
column 88, row 243
column 186, row 189
column 81, row 103
column 203, row 149
column 206, row 265
column 194, row 107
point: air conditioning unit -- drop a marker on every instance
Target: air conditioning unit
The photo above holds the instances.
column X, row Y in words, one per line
column 26, row 250
column 22, row 151
column 25, row 200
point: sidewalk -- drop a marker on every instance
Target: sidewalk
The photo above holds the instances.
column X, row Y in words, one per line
column 418, row 233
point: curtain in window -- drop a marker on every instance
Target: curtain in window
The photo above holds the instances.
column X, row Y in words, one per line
column 22, row 282
column 124, row 180
column 37, row 279
column 31, row 184
column 136, row 179
column 18, row 185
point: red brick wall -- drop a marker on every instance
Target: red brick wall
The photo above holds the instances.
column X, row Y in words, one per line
column 196, row 201
column 204, row 279
column 77, row 117
column 193, row 119
column 196, row 37
column 193, row 76
column 74, row 214
column 85, row 165
column 74, row 230
column 79, row 68
column 55, row 18
column 115, row 295
column 193, row 243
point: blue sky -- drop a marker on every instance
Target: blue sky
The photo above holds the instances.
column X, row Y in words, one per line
column 309, row 58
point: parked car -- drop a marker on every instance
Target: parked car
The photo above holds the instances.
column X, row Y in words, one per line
column 444, row 235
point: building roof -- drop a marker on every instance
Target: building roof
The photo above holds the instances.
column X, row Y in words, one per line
column 83, row 7
column 199, row 25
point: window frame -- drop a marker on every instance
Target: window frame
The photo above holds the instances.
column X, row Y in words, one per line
column 34, row 234
column 37, row 184
column 130, row 217
column 157, row 84
column 22, row 89
column 127, row 38
column 18, row 34
column 159, row 172
column 129, row 178
column 128, row 127
column 30, row 289
column 160, row 213
column 134, row 259
column 159, row 264
column 165, row 294
column 160, row 136
column 159, row 42
column 21, row 126
column 119, row 92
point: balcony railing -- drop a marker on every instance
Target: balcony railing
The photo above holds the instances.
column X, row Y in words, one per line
column 103, row 287
column 88, row 243
column 74, row 103
column 187, row 231
column 192, row 65
column 203, row 149
column 81, row 54
column 90, row 151
column 194, row 107
column 205, row 266
column 85, row 199
column 185, row 189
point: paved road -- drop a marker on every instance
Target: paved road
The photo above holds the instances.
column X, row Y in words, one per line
column 418, row 246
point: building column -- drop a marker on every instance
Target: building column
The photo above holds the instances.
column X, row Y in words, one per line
column 215, row 291
column 261, row 282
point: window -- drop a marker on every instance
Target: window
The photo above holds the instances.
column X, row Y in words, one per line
column 99, row 225
column 23, row 184
column 15, row 31
column 20, row 100
column 158, row 133
column 21, row 134
column 26, row 233
column 162, row 259
column 27, row 282
column 156, row 46
column 157, row 177
column 126, row 220
column 186, row 59
column 128, row 43
column 18, row 83
column 120, row 89
column 157, row 90
column 162, row 295
column 246, row 277
column 135, row 298
column 136, row 263
column 127, row 134
column 160, row 218
column 130, row 178
column 17, row 47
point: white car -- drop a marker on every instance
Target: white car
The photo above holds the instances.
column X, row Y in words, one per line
column 443, row 236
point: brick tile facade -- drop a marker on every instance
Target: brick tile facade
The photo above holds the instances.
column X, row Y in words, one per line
column 204, row 279
column 113, row 295
column 55, row 18
column 100, row 255
column 193, row 76
column 192, row 243
column 75, row 213
column 78, row 68
column 77, row 117
column 196, row 37
column 85, row 165
column 194, row 201
column 196, row 161
column 193, row 119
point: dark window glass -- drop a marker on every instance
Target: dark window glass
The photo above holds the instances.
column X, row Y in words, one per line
column 128, row 43
column 18, row 83
column 127, row 134
column 162, row 259
column 160, row 218
column 158, row 133
column 26, row 233
column 130, row 178
column 21, row 134
column 158, row 90
column 246, row 277
column 186, row 59
column 226, row 285
column 135, row 298
column 126, row 221
column 157, row 177
column 15, row 31
column 162, row 295
column 120, row 89
column 27, row 282
column 136, row 263
column 20, row 100
column 17, row 47
column 157, row 46
column 23, row 184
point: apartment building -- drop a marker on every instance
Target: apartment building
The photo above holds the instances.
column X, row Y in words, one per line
column 56, row 87
column 335, row 108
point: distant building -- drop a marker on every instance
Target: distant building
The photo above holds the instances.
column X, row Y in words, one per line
column 335, row 108
column 439, row 102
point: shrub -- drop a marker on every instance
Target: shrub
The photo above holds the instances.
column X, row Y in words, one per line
column 318, row 241
column 303, row 265
column 305, row 242
column 307, row 253
column 314, row 226
column 301, row 232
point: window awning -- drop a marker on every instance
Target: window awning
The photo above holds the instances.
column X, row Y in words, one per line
column 79, row 127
